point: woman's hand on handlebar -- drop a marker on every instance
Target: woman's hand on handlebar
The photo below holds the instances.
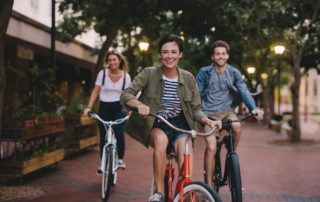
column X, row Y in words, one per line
column 138, row 106
column 143, row 109
column 86, row 110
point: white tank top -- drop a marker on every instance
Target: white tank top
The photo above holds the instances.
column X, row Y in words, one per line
column 111, row 91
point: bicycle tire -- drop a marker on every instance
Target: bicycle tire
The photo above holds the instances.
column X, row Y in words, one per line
column 235, row 178
column 115, row 167
column 200, row 190
column 107, row 177
column 216, row 183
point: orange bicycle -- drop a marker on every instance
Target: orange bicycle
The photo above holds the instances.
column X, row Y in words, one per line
column 186, row 189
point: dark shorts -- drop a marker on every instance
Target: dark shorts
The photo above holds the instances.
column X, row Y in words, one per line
column 178, row 121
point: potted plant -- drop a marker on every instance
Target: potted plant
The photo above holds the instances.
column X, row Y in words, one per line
column 32, row 127
column 74, row 110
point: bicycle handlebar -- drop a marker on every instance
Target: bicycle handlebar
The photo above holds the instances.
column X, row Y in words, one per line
column 96, row 116
column 227, row 124
column 192, row 133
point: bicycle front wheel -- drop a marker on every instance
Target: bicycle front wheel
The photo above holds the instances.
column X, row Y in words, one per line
column 197, row 192
column 235, row 178
column 107, row 176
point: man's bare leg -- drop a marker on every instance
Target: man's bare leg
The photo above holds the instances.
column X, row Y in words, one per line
column 209, row 158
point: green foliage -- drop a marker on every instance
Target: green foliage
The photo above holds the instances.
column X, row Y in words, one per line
column 76, row 104
column 43, row 89
column 37, row 97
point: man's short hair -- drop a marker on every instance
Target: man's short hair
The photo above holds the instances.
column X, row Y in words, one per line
column 219, row 43
column 171, row 38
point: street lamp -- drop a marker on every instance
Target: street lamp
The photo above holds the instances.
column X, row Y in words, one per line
column 279, row 50
column 143, row 46
column 251, row 71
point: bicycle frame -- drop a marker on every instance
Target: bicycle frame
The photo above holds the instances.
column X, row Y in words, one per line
column 108, row 167
column 110, row 140
column 231, row 168
column 184, row 173
column 221, row 180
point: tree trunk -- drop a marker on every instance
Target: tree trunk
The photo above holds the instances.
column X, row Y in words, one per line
column 5, row 13
column 296, row 130
column 105, row 47
column 267, row 100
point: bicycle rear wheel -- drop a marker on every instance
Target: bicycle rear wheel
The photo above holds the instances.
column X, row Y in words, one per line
column 107, row 176
column 198, row 192
column 235, row 178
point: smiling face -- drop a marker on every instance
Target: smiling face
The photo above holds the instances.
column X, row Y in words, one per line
column 113, row 61
column 220, row 56
column 170, row 55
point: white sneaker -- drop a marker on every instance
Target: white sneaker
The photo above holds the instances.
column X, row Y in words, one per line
column 156, row 197
column 121, row 164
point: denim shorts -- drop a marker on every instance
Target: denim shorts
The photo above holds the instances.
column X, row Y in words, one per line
column 178, row 121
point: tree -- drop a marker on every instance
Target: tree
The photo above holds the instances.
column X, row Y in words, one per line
column 301, row 20
column 5, row 13
column 107, row 17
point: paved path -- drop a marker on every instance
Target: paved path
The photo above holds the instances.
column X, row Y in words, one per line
column 272, row 171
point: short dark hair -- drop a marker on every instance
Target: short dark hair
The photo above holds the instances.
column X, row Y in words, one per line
column 219, row 43
column 171, row 38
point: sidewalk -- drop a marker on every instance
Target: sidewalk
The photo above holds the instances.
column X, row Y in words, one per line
column 271, row 171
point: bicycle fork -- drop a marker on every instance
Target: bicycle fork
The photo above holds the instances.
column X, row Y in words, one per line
column 169, row 177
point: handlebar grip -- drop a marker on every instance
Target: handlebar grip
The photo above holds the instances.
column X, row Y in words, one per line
column 90, row 113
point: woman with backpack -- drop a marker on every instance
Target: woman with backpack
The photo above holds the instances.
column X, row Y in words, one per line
column 110, row 82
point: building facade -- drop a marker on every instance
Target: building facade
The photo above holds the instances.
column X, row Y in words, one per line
column 28, row 44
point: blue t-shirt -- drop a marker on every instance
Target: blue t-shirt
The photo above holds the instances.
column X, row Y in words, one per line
column 219, row 97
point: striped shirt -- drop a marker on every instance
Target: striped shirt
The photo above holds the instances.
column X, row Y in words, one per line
column 170, row 104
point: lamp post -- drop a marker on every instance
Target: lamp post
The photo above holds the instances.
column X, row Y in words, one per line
column 53, row 34
column 279, row 50
column 143, row 46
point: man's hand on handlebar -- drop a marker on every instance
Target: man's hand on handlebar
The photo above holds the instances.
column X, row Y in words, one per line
column 258, row 113
column 212, row 123
column 216, row 123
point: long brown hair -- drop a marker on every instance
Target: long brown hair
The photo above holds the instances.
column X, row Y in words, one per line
column 123, row 61
column 123, row 65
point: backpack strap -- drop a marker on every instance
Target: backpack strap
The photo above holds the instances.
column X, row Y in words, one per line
column 124, row 79
column 103, row 77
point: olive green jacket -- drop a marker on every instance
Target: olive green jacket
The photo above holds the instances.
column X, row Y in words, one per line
column 151, row 85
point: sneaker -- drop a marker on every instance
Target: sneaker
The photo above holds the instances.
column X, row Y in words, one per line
column 99, row 171
column 121, row 164
column 156, row 197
